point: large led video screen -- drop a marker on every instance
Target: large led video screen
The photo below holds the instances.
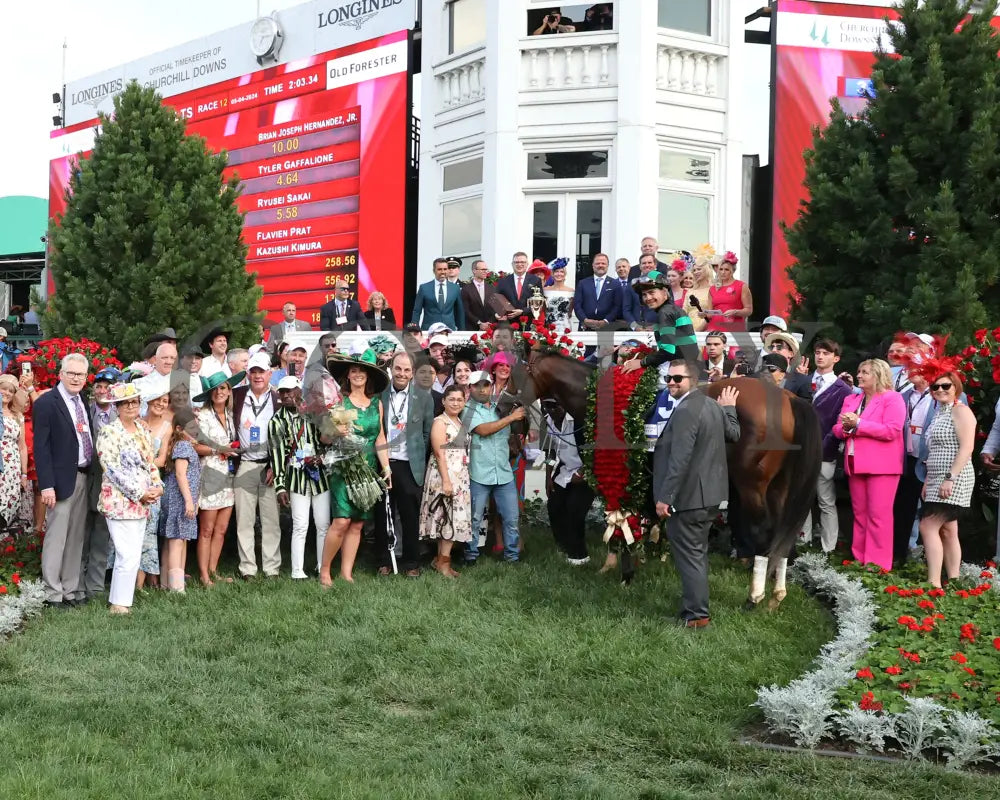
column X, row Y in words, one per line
column 320, row 146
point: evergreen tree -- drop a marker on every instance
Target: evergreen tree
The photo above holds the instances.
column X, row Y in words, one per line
column 901, row 230
column 150, row 237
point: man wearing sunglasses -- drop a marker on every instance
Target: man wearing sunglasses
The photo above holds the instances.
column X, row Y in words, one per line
column 796, row 381
column 691, row 479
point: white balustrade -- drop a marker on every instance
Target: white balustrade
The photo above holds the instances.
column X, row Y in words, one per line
column 569, row 62
column 462, row 83
column 681, row 69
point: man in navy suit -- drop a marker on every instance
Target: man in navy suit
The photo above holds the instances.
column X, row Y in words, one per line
column 631, row 304
column 342, row 313
column 828, row 398
column 517, row 288
column 64, row 450
column 439, row 300
column 598, row 300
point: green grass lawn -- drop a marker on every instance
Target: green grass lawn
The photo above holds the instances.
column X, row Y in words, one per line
column 537, row 680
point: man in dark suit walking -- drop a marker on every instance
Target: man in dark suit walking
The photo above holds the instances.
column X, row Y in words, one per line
column 598, row 300
column 439, row 300
column 64, row 450
column 691, row 479
column 343, row 313
column 517, row 288
column 407, row 415
column 477, row 298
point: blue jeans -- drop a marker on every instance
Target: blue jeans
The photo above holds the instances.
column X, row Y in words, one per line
column 505, row 496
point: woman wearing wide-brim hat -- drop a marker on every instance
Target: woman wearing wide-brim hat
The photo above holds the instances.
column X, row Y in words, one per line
column 217, row 441
column 362, row 383
column 131, row 483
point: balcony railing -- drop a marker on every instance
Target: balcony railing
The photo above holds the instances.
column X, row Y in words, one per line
column 690, row 67
column 461, row 81
column 569, row 61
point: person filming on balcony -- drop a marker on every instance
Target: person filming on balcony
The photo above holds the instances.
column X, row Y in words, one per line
column 554, row 22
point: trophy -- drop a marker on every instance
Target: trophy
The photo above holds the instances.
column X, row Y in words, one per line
column 536, row 303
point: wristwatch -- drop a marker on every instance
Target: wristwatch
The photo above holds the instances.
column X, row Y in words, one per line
column 948, row 477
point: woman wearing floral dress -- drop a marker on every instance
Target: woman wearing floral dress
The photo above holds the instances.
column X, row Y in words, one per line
column 130, row 484
column 14, row 449
column 446, row 507
column 217, row 434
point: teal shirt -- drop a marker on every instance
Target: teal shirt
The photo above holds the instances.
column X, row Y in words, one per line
column 489, row 456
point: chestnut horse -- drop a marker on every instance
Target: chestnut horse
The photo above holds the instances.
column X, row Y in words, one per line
column 774, row 465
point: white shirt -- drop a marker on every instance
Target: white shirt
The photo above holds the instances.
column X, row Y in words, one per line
column 258, row 416
column 822, row 381
column 441, row 290
column 70, row 401
column 566, row 453
column 717, row 364
column 395, row 418
column 481, row 288
column 210, row 365
column 918, row 407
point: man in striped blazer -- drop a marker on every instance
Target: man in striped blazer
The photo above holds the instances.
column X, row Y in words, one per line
column 300, row 479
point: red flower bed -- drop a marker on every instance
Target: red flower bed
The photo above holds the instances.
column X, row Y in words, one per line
column 48, row 353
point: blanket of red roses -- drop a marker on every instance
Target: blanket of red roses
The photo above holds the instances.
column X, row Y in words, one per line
column 46, row 355
column 937, row 643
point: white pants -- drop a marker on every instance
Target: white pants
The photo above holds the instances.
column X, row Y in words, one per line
column 127, row 535
column 301, row 503
column 826, row 499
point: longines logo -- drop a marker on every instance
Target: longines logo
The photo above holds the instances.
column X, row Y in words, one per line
column 354, row 14
column 93, row 95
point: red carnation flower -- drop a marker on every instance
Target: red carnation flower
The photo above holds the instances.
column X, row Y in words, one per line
column 906, row 620
column 936, row 593
column 869, row 703
column 959, row 658
column 864, row 674
column 904, row 685
column 895, row 669
column 926, row 604
column 970, row 670
column 980, row 335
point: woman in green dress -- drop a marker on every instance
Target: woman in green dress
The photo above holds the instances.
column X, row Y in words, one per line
column 362, row 383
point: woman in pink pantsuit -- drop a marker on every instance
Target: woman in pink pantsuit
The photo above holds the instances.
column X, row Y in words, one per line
column 871, row 424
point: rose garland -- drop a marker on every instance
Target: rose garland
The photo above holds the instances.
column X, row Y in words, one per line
column 618, row 473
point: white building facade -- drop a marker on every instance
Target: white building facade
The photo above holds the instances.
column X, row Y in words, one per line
column 580, row 142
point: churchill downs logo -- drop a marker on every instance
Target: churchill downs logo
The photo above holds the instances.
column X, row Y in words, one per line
column 355, row 14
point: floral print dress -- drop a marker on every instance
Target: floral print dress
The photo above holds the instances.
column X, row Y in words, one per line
column 10, row 478
column 442, row 517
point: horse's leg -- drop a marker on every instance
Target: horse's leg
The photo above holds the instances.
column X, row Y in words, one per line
column 779, row 591
column 757, row 581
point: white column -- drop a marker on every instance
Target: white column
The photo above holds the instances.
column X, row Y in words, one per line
column 636, row 163
column 504, row 162
column 434, row 48
column 731, row 184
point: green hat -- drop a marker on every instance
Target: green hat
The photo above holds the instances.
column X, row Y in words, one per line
column 652, row 280
column 339, row 365
column 213, row 382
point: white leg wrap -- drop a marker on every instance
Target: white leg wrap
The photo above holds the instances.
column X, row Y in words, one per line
column 759, row 576
column 779, row 581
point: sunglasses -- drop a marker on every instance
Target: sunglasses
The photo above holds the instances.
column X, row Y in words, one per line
column 937, row 387
column 676, row 378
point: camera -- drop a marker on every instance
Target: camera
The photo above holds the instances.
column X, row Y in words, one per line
column 742, row 369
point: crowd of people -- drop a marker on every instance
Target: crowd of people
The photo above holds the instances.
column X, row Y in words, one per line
column 182, row 443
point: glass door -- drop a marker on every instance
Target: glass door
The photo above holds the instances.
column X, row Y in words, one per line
column 570, row 225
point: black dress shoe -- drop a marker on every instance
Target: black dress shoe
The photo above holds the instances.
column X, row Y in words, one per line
column 57, row 604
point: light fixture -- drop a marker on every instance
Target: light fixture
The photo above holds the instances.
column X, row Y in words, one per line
column 57, row 121
column 56, row 97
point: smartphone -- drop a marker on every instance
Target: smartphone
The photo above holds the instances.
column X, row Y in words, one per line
column 26, row 368
column 293, row 369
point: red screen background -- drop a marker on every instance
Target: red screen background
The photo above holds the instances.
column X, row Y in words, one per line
column 325, row 196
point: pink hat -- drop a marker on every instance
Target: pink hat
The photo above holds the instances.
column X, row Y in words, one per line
column 500, row 357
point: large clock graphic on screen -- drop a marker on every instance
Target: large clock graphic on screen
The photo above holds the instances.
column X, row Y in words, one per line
column 265, row 39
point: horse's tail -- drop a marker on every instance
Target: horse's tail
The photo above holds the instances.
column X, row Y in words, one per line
column 800, row 471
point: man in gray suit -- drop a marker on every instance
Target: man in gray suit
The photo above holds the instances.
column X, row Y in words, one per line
column 408, row 412
column 691, row 479
column 286, row 328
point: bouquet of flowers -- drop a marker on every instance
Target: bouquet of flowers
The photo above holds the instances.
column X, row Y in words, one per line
column 47, row 354
column 364, row 487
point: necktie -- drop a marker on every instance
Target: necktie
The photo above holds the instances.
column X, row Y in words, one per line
column 342, row 312
column 441, row 294
column 81, row 428
column 482, row 297
column 598, row 282
column 518, row 285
